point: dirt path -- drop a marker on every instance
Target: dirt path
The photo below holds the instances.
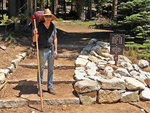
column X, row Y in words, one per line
column 26, row 88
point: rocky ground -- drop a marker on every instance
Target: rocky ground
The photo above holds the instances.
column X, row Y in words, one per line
column 22, row 83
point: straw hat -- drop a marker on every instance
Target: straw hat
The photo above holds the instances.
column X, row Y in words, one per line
column 47, row 12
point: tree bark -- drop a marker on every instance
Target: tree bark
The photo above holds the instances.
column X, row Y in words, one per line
column 115, row 3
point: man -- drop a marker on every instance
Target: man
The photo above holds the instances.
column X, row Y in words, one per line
column 47, row 42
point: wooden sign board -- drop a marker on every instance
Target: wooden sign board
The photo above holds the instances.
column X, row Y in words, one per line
column 117, row 43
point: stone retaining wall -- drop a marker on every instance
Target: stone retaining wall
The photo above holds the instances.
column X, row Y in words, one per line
column 99, row 80
column 5, row 73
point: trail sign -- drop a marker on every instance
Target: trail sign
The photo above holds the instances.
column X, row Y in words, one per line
column 117, row 43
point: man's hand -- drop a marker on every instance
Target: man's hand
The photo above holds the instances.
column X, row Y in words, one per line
column 35, row 31
column 55, row 54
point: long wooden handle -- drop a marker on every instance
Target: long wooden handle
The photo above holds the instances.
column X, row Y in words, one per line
column 37, row 48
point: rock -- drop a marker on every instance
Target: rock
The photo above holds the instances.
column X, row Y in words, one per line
column 147, row 74
column 106, row 96
column 124, row 58
column 147, row 81
column 129, row 97
column 101, row 66
column 80, row 62
column 94, row 59
column 87, row 48
column 101, row 44
column 133, row 84
column 5, row 71
column 107, row 55
column 98, row 56
column 84, row 52
column 15, row 62
column 91, row 68
column 145, row 94
column 108, row 71
column 122, row 72
column 127, row 66
column 134, row 74
column 3, row 47
column 83, row 56
column 86, row 86
column 92, row 42
column 88, row 98
column 80, row 74
column 117, row 75
column 2, row 78
column 96, row 78
column 143, row 63
column 111, row 62
column 23, row 54
column 136, row 67
column 102, row 62
column 112, row 84
column 11, row 68
column 97, row 49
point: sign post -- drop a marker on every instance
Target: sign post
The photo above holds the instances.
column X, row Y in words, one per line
column 116, row 45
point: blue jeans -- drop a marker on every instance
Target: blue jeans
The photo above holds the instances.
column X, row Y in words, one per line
column 44, row 55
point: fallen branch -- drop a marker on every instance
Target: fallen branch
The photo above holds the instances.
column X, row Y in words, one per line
column 139, row 107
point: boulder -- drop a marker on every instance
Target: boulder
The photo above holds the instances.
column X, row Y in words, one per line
column 80, row 74
column 147, row 81
column 92, row 41
column 133, row 84
column 86, row 86
column 143, row 63
column 129, row 97
column 136, row 67
column 91, row 68
column 145, row 94
column 88, row 98
column 2, row 78
column 122, row 72
column 107, row 96
column 112, row 84
column 124, row 58
column 5, row 71
column 93, row 59
column 108, row 71
column 127, row 66
column 80, row 62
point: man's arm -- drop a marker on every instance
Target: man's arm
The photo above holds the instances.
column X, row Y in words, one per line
column 55, row 45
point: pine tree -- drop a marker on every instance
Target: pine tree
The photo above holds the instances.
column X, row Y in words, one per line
column 134, row 18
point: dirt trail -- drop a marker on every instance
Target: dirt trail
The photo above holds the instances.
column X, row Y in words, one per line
column 26, row 88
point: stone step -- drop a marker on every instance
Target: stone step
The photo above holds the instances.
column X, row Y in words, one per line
column 35, row 66
column 28, row 82
column 17, row 95
column 71, row 46
column 22, row 73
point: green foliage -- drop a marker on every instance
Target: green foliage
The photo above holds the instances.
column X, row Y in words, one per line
column 133, row 18
column 5, row 20
column 103, row 7
column 10, row 37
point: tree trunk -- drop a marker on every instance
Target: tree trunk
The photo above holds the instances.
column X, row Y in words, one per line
column 115, row 3
column 73, row 5
column 41, row 4
column 89, row 9
column 12, row 8
column 55, row 6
